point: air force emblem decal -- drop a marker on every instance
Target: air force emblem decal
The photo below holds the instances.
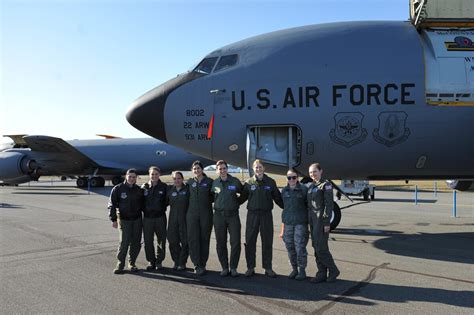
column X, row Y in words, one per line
column 392, row 128
column 348, row 129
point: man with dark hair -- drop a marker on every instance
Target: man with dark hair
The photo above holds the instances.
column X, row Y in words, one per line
column 125, row 212
column 226, row 190
column 154, row 219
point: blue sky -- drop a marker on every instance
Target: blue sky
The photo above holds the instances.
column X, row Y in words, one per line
column 71, row 68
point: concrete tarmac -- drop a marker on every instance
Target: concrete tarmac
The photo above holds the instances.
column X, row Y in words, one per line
column 58, row 252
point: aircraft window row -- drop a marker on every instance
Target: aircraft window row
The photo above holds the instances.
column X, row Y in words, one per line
column 207, row 64
column 226, row 62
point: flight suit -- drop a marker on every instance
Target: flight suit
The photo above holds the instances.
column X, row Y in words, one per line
column 154, row 221
column 199, row 220
column 177, row 234
column 295, row 220
column 320, row 204
column 125, row 205
column 226, row 218
column 260, row 195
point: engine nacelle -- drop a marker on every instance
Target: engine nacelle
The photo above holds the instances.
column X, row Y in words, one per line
column 461, row 185
column 16, row 168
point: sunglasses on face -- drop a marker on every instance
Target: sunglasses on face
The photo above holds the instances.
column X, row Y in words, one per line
column 292, row 177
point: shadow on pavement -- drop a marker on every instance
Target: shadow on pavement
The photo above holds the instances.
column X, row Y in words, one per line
column 10, row 206
column 342, row 291
column 452, row 247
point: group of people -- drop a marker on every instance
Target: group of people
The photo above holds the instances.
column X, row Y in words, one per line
column 202, row 203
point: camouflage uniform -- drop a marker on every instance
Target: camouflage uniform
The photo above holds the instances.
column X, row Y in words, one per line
column 295, row 220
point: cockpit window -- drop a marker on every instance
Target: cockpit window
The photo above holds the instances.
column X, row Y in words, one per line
column 206, row 65
column 226, row 62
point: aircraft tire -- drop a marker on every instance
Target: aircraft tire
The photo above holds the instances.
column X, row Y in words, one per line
column 81, row 182
column 338, row 195
column 95, row 182
column 365, row 194
column 116, row 180
column 372, row 197
column 101, row 181
column 336, row 218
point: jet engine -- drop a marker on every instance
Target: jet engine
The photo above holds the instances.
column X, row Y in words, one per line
column 16, row 167
column 461, row 185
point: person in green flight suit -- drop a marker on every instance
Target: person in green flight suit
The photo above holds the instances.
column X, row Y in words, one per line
column 320, row 204
column 227, row 189
column 199, row 217
column 260, row 191
column 178, row 199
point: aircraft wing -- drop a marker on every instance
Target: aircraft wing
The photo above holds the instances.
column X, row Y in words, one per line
column 48, row 144
column 17, row 139
column 108, row 136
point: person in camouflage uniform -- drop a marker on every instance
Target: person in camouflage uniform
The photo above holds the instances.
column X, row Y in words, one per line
column 294, row 227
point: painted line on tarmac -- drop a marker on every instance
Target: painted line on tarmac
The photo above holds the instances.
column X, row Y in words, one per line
column 352, row 290
column 409, row 272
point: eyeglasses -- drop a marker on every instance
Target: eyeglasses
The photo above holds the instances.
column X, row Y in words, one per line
column 292, row 177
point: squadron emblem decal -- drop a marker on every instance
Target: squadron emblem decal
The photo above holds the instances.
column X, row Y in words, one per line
column 392, row 128
column 461, row 43
column 348, row 129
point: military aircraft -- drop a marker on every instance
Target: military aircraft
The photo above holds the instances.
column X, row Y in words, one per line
column 30, row 157
column 377, row 100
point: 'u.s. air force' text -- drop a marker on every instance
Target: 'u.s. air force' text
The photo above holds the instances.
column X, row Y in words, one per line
column 307, row 96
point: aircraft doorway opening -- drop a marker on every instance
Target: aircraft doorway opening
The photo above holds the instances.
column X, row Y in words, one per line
column 277, row 146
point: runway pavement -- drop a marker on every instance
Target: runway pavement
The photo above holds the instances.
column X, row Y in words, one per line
column 58, row 252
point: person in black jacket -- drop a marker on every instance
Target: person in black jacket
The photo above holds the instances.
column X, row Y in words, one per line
column 154, row 219
column 125, row 211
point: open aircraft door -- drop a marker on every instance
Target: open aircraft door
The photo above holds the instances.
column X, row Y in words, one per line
column 278, row 146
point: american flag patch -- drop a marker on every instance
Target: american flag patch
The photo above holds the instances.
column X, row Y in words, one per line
column 328, row 187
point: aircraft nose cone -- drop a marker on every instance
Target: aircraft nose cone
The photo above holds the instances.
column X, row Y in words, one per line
column 147, row 113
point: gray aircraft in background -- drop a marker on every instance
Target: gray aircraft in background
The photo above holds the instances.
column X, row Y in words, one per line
column 30, row 157
column 379, row 100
